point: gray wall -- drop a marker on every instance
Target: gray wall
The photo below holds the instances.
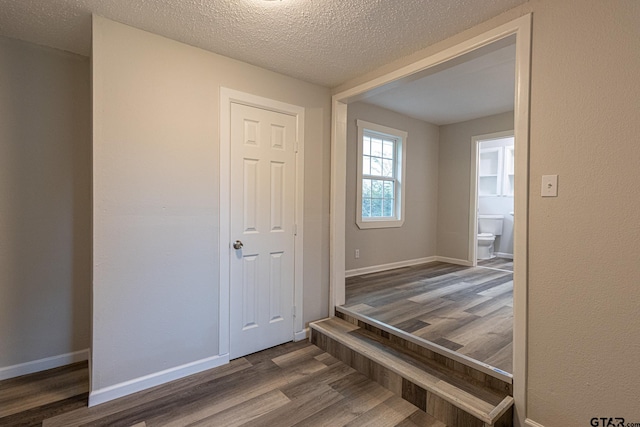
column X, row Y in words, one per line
column 416, row 238
column 156, row 102
column 454, row 181
column 45, row 203
column 584, row 263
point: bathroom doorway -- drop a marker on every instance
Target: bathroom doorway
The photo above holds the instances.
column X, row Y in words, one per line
column 492, row 200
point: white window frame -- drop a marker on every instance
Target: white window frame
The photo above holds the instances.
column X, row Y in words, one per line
column 400, row 168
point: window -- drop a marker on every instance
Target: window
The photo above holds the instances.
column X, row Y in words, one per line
column 380, row 186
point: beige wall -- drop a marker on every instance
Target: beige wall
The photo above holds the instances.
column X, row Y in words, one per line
column 438, row 180
column 417, row 236
column 584, row 266
column 156, row 135
column 584, row 288
column 455, row 180
column 584, row 245
column 45, row 203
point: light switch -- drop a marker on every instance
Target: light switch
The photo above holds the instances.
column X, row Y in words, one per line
column 549, row 186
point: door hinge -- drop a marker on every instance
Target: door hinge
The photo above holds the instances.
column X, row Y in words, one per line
column 293, row 311
column 296, row 146
column 295, row 229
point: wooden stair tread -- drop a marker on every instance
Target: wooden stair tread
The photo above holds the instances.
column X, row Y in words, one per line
column 482, row 404
column 431, row 367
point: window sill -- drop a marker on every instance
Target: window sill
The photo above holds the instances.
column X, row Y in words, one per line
column 365, row 225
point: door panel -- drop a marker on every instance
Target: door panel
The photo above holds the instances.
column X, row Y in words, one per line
column 262, row 218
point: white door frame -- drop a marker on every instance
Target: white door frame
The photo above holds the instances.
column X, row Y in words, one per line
column 227, row 97
column 521, row 29
column 473, row 190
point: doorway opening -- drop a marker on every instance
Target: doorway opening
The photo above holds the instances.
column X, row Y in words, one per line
column 516, row 33
column 492, row 200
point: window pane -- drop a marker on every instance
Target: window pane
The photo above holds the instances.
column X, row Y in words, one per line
column 376, row 147
column 387, row 168
column 388, row 190
column 366, row 188
column 376, row 166
column 376, row 207
column 366, row 208
column 387, row 150
column 366, row 165
column 376, row 188
column 380, row 187
column 388, row 207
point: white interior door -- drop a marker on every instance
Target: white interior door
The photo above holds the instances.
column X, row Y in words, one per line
column 262, row 229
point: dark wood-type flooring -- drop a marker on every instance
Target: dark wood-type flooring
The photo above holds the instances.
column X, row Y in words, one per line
column 466, row 309
column 294, row 384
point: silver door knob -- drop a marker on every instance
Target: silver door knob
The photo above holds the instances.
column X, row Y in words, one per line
column 237, row 244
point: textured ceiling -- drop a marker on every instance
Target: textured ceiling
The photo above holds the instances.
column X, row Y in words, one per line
column 478, row 87
column 321, row 41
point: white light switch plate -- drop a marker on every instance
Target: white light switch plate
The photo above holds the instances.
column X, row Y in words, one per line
column 549, row 186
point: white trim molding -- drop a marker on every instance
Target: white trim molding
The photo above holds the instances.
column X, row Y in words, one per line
column 227, row 97
column 504, row 255
column 456, row 261
column 390, row 266
column 520, row 30
column 337, row 214
column 301, row 335
column 43, row 364
column 532, row 423
column 157, row 378
column 407, row 263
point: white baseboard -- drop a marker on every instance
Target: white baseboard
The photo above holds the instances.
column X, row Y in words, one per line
column 504, row 255
column 43, row 364
column 135, row 385
column 390, row 266
column 456, row 261
column 532, row 423
column 301, row 335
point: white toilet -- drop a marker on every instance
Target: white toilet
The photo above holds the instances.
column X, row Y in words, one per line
column 489, row 226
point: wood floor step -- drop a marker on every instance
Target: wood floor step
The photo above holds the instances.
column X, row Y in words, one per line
column 471, row 370
column 431, row 387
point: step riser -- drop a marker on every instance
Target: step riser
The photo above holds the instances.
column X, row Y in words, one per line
column 418, row 396
column 470, row 374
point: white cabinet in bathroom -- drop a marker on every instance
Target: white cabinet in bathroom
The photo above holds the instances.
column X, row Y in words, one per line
column 509, row 172
column 496, row 171
column 489, row 168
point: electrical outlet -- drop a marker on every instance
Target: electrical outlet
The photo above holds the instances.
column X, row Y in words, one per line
column 357, row 253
